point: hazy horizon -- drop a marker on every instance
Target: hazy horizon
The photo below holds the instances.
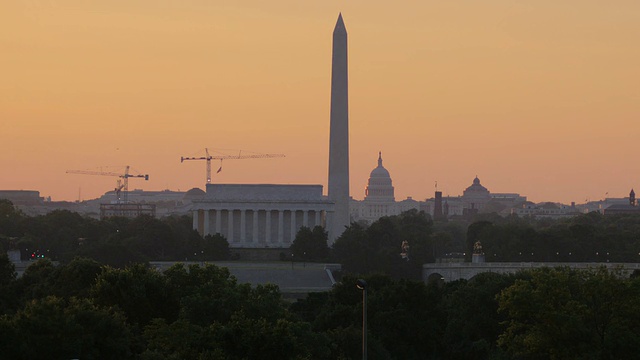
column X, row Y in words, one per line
column 539, row 99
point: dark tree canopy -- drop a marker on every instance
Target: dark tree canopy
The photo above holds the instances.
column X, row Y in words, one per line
column 56, row 328
column 585, row 238
column 569, row 314
column 310, row 244
column 66, row 306
column 378, row 248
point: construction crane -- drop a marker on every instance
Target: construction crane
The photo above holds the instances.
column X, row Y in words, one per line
column 123, row 182
column 209, row 157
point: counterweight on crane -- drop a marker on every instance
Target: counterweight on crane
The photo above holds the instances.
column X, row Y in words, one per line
column 123, row 182
column 209, row 157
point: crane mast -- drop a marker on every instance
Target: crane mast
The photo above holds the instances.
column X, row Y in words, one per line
column 209, row 157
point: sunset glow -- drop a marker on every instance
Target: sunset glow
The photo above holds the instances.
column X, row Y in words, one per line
column 540, row 98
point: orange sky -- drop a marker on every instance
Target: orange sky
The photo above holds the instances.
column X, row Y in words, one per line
column 536, row 97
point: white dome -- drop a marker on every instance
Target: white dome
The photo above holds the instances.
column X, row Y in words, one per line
column 380, row 185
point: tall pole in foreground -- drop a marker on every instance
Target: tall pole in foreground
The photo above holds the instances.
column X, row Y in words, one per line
column 338, row 183
column 362, row 285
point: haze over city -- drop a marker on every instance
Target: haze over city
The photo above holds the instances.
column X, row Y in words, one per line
column 536, row 98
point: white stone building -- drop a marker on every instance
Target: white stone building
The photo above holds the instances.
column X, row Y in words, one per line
column 260, row 216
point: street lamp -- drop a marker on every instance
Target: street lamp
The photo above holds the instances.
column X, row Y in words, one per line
column 362, row 285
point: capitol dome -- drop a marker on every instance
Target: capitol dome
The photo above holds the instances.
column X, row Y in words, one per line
column 380, row 185
column 380, row 171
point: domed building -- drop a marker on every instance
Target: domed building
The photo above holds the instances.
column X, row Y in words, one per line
column 475, row 199
column 476, row 195
column 195, row 193
column 379, row 199
column 379, row 187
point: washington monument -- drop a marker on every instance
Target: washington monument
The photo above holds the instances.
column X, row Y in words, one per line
column 339, row 133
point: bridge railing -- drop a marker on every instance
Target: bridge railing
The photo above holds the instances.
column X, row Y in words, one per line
column 525, row 265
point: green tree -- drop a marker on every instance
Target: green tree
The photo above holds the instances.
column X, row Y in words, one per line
column 140, row 292
column 76, row 278
column 310, row 244
column 37, row 281
column 179, row 340
column 8, row 296
column 571, row 314
column 151, row 238
column 7, row 271
column 215, row 247
column 53, row 328
column 248, row 338
column 206, row 294
column 405, row 320
column 42, row 278
column 473, row 322
column 11, row 219
column 378, row 247
column 353, row 251
column 55, row 234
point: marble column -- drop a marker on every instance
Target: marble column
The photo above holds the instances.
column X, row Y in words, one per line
column 280, row 227
column 195, row 224
column 267, row 235
column 206, row 226
column 317, row 219
column 255, row 227
column 243, row 225
column 293, row 225
column 218, row 221
column 305, row 218
column 230, row 226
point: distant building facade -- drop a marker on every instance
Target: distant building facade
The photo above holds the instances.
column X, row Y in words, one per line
column 475, row 199
column 379, row 200
column 129, row 210
column 22, row 197
column 546, row 210
column 631, row 207
column 260, row 216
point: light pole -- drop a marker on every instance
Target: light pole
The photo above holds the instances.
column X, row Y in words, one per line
column 362, row 285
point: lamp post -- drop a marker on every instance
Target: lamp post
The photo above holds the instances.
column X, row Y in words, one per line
column 362, row 285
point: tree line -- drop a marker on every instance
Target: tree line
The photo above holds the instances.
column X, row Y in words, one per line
column 90, row 311
column 62, row 235
column 591, row 237
column 102, row 301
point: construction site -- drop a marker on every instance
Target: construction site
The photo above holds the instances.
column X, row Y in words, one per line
column 122, row 202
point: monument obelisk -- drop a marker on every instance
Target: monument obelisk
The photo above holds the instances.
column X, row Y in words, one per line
column 338, row 190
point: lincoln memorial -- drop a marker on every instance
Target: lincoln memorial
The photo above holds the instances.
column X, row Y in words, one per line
column 260, row 216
